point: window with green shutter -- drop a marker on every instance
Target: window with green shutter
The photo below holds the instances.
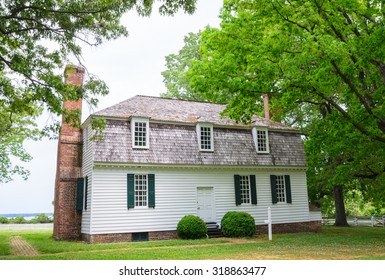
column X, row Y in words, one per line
column 86, row 195
column 130, row 191
column 253, row 187
column 79, row 194
column 273, row 186
column 140, row 190
column 245, row 189
column 280, row 189
column 288, row 188
column 151, row 190
column 237, row 186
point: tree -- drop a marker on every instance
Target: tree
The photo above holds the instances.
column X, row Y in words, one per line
column 322, row 64
column 175, row 79
column 37, row 39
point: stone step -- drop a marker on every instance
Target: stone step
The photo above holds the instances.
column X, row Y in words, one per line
column 213, row 230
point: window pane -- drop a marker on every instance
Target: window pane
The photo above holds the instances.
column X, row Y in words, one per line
column 280, row 182
column 206, row 138
column 140, row 134
column 140, row 190
column 261, row 141
column 245, row 189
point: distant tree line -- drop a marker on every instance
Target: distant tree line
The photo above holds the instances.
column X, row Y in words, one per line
column 40, row 219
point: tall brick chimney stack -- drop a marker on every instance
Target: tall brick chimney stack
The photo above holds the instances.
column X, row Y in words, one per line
column 266, row 106
column 67, row 220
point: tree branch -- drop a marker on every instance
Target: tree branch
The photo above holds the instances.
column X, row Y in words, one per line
column 371, row 175
column 381, row 68
column 349, row 118
column 352, row 87
column 291, row 21
column 14, row 12
column 350, row 22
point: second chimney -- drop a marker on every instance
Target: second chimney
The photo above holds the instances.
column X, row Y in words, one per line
column 266, row 106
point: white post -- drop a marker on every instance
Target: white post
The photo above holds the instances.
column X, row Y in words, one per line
column 269, row 223
column 372, row 221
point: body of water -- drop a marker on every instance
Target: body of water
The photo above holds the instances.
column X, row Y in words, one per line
column 27, row 216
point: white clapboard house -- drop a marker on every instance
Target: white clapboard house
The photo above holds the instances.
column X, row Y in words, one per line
column 161, row 159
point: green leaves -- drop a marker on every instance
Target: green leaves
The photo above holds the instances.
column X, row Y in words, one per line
column 37, row 39
column 322, row 64
column 175, row 78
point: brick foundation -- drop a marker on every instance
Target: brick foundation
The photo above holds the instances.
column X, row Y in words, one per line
column 312, row 226
column 127, row 237
column 162, row 235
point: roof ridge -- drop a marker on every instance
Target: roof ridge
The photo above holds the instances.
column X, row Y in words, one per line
column 178, row 99
column 179, row 110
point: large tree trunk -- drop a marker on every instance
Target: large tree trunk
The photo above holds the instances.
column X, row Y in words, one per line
column 340, row 207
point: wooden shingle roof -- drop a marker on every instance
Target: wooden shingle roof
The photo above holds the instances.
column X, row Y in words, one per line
column 180, row 111
column 173, row 137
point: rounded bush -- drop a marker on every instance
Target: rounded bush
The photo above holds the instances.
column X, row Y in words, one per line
column 238, row 224
column 191, row 227
column 18, row 220
column 4, row 220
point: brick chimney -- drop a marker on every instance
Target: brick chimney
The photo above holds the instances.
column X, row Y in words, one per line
column 266, row 106
column 67, row 220
column 270, row 114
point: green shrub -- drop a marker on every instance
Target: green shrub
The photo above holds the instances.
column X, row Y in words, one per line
column 191, row 227
column 238, row 224
column 4, row 220
column 18, row 220
column 42, row 219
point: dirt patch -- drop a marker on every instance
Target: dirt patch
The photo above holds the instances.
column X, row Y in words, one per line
column 20, row 247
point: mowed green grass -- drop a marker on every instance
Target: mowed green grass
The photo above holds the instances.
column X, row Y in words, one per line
column 332, row 244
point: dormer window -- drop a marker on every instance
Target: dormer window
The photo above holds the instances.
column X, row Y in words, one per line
column 261, row 140
column 205, row 137
column 140, row 133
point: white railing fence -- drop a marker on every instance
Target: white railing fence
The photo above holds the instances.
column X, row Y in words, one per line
column 372, row 221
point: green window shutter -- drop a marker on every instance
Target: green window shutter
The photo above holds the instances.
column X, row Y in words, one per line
column 79, row 194
column 253, row 187
column 130, row 191
column 86, row 194
column 237, row 186
column 288, row 188
column 273, row 183
column 151, row 190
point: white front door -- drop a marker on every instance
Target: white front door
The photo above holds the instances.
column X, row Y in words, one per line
column 206, row 204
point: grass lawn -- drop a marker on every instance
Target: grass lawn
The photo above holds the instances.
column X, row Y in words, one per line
column 4, row 245
column 332, row 244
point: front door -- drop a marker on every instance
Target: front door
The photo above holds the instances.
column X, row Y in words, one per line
column 206, row 204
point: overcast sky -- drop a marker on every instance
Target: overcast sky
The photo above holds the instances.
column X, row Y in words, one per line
column 130, row 66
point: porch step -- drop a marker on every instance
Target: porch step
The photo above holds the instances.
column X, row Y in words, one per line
column 213, row 230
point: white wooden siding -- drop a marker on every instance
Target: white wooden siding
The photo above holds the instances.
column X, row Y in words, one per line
column 88, row 147
column 315, row 215
column 176, row 196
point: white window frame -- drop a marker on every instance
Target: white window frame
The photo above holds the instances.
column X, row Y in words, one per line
column 280, row 184
column 136, row 191
column 199, row 136
column 245, row 192
column 147, row 123
column 256, row 138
